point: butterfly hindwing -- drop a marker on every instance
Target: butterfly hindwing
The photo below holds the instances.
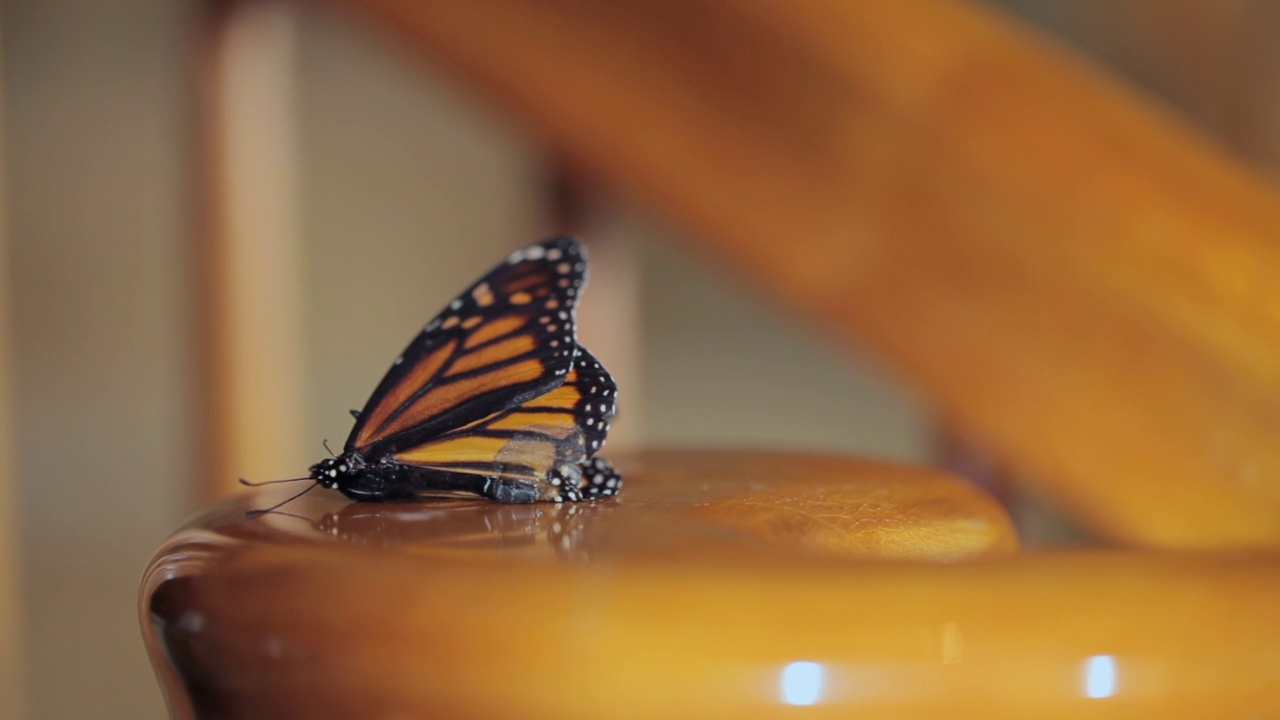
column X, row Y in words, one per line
column 542, row 443
column 507, row 339
column 590, row 397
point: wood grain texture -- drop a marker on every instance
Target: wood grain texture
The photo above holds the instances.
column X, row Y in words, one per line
column 1074, row 276
column 687, row 597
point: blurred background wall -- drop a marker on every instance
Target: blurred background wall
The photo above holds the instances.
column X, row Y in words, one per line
column 95, row 131
column 407, row 189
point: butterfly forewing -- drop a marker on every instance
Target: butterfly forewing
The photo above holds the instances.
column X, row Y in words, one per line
column 508, row 338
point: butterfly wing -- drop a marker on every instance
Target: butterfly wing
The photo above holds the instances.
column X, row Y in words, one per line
column 546, row 443
column 509, row 338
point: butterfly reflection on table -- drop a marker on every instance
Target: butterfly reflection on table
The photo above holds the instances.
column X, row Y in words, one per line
column 466, row 526
column 494, row 398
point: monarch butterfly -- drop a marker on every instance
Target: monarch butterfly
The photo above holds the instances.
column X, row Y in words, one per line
column 494, row 398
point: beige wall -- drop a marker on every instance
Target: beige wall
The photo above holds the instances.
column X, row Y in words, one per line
column 94, row 130
column 408, row 189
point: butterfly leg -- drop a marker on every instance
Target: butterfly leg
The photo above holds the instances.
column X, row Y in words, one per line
column 510, row 492
column 592, row 480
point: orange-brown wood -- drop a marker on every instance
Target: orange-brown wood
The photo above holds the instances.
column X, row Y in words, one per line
column 692, row 595
column 1216, row 61
column 1074, row 276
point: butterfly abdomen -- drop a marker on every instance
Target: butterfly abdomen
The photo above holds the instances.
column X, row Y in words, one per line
column 389, row 481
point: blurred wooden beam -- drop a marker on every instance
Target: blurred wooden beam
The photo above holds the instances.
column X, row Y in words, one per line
column 1219, row 62
column 611, row 322
column 12, row 668
column 249, row 262
column 1076, row 278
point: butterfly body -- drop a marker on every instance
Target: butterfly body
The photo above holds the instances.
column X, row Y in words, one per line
column 393, row 482
column 494, row 398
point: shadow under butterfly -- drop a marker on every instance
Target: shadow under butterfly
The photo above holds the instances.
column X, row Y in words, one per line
column 494, row 398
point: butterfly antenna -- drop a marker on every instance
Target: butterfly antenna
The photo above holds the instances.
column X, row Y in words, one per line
column 270, row 482
column 325, row 443
column 255, row 513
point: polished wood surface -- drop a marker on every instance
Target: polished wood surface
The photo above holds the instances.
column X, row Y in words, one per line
column 719, row 585
column 284, row 614
column 1079, row 281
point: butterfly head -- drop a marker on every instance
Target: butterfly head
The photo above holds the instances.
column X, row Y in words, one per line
column 337, row 472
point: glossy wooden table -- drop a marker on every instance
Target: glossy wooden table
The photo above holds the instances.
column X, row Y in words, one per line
column 720, row 585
